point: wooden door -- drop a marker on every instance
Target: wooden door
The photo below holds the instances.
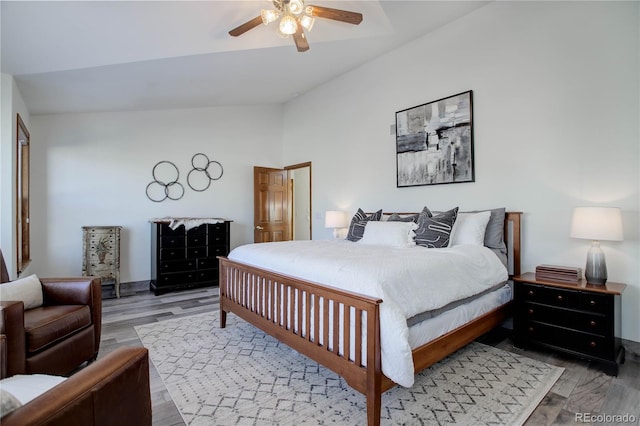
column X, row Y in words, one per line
column 271, row 205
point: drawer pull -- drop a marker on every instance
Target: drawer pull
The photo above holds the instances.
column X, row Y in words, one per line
column 592, row 323
column 530, row 311
column 559, row 298
column 530, row 329
column 592, row 344
column 592, row 303
column 530, row 293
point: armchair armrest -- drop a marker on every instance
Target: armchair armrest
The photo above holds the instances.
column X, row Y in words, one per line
column 12, row 327
column 76, row 291
column 113, row 390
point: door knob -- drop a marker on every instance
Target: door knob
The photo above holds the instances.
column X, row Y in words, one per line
column 259, row 228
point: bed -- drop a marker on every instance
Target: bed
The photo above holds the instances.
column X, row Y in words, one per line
column 341, row 329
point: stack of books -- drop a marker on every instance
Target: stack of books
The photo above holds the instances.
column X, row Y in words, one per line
column 558, row 273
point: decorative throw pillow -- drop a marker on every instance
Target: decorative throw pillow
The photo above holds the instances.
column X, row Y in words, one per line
column 28, row 290
column 469, row 228
column 435, row 231
column 358, row 223
column 394, row 234
column 397, row 218
column 8, row 402
column 27, row 387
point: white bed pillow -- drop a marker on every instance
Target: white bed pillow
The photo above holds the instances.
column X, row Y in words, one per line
column 395, row 234
column 27, row 387
column 28, row 290
column 469, row 228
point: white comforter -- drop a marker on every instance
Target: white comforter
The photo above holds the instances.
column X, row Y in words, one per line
column 408, row 280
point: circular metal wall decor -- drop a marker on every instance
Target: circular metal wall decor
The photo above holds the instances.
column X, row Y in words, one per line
column 164, row 184
column 204, row 171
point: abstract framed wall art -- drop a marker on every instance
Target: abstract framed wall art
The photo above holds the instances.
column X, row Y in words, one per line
column 434, row 142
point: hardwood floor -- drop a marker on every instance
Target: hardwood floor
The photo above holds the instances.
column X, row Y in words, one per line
column 581, row 390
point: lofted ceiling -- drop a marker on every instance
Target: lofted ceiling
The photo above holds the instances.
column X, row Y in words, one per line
column 82, row 56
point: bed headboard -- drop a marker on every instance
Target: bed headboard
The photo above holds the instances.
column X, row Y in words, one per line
column 512, row 239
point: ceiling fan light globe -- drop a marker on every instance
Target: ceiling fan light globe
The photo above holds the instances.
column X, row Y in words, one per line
column 307, row 22
column 269, row 16
column 288, row 25
column 296, row 6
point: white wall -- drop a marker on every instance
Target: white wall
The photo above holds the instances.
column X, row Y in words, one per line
column 11, row 104
column 92, row 169
column 556, row 125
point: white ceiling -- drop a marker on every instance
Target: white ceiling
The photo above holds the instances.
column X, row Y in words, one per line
column 77, row 56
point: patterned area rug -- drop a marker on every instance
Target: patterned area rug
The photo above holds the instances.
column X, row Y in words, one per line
column 241, row 376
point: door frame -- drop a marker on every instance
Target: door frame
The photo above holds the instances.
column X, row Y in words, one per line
column 289, row 169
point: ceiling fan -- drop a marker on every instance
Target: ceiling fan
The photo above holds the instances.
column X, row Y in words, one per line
column 295, row 17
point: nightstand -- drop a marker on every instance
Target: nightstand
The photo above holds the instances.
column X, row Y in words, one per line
column 573, row 317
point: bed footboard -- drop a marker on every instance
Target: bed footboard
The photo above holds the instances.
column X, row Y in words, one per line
column 326, row 324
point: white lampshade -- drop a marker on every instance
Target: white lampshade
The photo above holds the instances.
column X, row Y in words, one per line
column 597, row 223
column 335, row 219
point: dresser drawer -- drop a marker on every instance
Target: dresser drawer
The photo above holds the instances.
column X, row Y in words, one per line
column 177, row 265
column 207, row 263
column 172, row 253
column 177, row 278
column 218, row 251
column 578, row 320
column 194, row 240
column 550, row 295
column 195, row 252
column 166, row 231
column 171, row 241
column 207, row 275
column 590, row 345
column 198, row 230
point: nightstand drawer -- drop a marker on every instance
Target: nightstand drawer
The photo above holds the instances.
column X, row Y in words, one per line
column 585, row 343
column 578, row 320
column 601, row 303
column 550, row 295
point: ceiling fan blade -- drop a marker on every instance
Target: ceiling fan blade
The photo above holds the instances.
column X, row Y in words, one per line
column 246, row 26
column 301, row 40
column 335, row 14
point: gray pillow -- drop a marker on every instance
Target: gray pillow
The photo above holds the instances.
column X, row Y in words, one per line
column 494, row 235
column 397, row 218
column 359, row 222
column 435, row 231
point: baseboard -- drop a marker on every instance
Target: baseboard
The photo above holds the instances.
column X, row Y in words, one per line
column 126, row 289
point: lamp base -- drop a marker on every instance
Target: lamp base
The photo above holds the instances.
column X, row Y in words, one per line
column 596, row 270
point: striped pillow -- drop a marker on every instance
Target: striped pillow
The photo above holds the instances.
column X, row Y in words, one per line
column 435, row 231
column 359, row 222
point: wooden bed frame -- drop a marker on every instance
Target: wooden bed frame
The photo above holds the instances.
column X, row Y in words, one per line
column 242, row 285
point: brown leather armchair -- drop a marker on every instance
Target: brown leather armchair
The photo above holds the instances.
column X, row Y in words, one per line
column 112, row 391
column 57, row 337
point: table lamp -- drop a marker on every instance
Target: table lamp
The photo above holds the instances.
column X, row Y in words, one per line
column 336, row 220
column 596, row 224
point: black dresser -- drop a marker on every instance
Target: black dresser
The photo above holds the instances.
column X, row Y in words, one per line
column 576, row 318
column 183, row 259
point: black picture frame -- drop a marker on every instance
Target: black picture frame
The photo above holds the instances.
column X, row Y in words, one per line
column 434, row 142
